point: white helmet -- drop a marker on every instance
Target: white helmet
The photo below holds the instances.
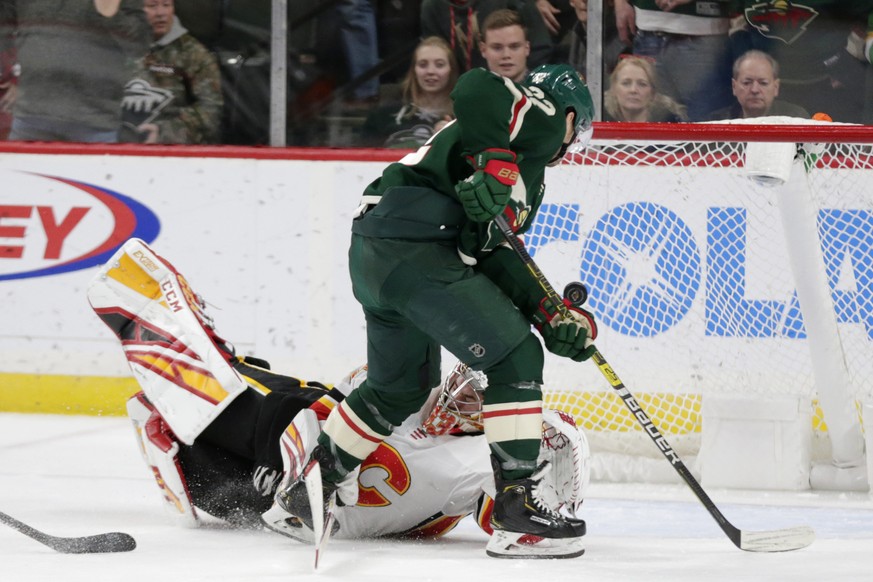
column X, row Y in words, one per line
column 458, row 404
column 457, row 407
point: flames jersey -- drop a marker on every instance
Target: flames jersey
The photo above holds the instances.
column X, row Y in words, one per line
column 417, row 485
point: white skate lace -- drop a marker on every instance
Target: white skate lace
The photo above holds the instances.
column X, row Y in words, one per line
column 536, row 496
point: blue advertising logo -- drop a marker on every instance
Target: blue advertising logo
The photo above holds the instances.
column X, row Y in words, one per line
column 644, row 269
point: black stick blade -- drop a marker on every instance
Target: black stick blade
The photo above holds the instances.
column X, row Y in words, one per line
column 99, row 544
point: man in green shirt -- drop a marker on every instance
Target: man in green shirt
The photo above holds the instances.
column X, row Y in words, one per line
column 429, row 269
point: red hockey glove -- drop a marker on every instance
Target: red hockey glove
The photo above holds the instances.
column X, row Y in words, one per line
column 568, row 337
column 486, row 193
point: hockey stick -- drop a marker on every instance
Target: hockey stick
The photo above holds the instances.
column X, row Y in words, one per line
column 322, row 522
column 99, row 544
column 780, row 540
column 315, row 493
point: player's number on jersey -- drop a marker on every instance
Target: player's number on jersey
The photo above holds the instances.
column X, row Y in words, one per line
column 386, row 458
column 536, row 96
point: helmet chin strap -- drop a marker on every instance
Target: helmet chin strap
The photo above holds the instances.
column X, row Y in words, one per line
column 564, row 146
column 577, row 143
column 563, row 150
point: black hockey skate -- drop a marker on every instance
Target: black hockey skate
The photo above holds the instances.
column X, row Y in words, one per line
column 295, row 516
column 525, row 527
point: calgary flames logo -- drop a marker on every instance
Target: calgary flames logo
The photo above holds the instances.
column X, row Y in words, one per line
column 780, row 19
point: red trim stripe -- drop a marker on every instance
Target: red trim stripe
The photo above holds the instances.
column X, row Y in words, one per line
column 321, row 409
column 515, row 112
column 202, row 151
column 513, row 412
column 437, row 528
column 483, row 518
column 355, row 427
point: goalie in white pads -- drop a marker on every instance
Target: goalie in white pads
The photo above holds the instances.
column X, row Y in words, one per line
column 216, row 430
column 435, row 469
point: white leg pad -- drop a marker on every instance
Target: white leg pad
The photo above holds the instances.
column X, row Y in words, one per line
column 160, row 450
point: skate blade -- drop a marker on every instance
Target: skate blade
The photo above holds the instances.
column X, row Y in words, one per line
column 279, row 521
column 315, row 492
column 515, row 545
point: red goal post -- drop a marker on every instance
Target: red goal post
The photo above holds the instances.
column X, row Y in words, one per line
column 730, row 266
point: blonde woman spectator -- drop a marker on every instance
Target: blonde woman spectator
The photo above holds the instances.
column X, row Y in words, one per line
column 633, row 95
column 426, row 104
column 688, row 39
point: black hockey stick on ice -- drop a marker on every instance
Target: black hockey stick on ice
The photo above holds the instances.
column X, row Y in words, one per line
column 779, row 540
column 99, row 544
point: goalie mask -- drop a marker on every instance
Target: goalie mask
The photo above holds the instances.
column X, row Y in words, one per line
column 458, row 404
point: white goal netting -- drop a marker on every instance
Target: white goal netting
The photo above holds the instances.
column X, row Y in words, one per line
column 705, row 279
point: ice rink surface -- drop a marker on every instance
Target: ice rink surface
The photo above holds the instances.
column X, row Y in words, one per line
column 76, row 476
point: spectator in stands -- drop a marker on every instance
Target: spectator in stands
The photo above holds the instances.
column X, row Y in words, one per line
column 551, row 12
column 612, row 46
column 426, row 104
column 633, row 95
column 461, row 22
column 8, row 86
column 360, row 46
column 755, row 84
column 74, row 58
column 504, row 44
column 823, row 49
column 457, row 22
column 8, row 70
column 176, row 97
column 688, row 41
column 550, row 23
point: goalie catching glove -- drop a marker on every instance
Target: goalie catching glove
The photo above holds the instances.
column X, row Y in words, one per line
column 485, row 194
column 568, row 337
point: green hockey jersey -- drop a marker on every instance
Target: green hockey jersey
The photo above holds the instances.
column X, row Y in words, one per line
column 415, row 198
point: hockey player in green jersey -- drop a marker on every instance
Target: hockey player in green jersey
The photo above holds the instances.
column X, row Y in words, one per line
column 429, row 269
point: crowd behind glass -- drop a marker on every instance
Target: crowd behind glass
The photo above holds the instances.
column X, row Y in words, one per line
column 199, row 71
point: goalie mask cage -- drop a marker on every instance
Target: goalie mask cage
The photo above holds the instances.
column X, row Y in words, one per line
column 730, row 269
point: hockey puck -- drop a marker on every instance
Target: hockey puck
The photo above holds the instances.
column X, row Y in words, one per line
column 576, row 293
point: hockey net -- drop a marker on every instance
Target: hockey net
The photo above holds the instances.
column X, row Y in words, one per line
column 688, row 239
